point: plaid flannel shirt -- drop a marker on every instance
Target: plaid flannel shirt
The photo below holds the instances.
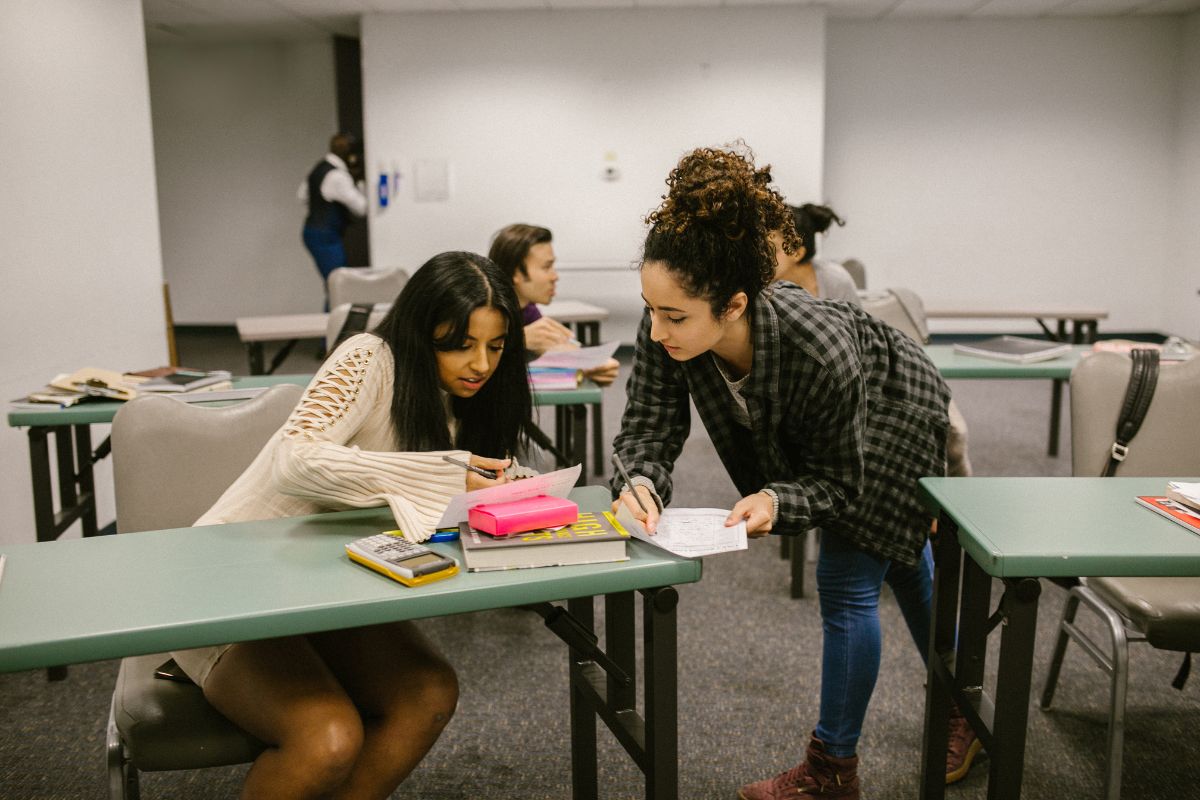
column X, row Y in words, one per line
column 846, row 414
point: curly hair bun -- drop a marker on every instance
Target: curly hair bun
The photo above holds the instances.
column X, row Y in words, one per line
column 719, row 189
column 713, row 226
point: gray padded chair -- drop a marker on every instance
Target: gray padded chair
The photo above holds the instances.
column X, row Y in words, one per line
column 337, row 318
column 1163, row 612
column 903, row 310
column 857, row 271
column 171, row 461
column 365, row 285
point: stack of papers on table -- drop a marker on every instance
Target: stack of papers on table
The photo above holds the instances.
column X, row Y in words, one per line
column 576, row 357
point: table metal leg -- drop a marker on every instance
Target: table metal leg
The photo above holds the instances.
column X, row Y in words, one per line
column 39, row 473
column 588, row 333
column 651, row 742
column 1013, row 679
column 798, row 551
column 254, row 353
column 947, row 577
column 662, row 693
column 1056, row 393
column 570, row 436
column 282, row 354
column 598, row 446
column 584, row 783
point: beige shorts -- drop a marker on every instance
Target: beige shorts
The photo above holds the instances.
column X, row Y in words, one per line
column 199, row 662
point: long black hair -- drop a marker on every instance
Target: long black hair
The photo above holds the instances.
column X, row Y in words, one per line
column 444, row 292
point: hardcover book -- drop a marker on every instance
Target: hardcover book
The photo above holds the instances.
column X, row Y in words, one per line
column 1014, row 348
column 1177, row 512
column 595, row 538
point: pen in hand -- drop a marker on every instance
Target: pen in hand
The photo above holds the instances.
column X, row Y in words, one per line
column 616, row 460
column 487, row 473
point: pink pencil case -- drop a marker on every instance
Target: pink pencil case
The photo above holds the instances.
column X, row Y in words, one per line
column 519, row 516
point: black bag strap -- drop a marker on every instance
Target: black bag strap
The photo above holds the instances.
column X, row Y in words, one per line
column 1184, row 670
column 356, row 322
column 1143, row 377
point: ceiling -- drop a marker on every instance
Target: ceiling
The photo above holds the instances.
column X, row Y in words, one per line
column 172, row 20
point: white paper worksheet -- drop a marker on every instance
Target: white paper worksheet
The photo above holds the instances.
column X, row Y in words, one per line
column 689, row 532
column 577, row 358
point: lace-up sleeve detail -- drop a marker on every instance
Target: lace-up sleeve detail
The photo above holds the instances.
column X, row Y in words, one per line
column 331, row 395
column 317, row 457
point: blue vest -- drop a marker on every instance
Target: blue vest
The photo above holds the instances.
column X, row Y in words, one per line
column 324, row 214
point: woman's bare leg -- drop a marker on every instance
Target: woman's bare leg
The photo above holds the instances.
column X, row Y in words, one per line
column 282, row 691
column 405, row 691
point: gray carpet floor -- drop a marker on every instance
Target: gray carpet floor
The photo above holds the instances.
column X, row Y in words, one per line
column 749, row 674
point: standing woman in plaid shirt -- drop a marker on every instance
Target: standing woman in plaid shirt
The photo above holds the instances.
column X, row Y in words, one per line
column 822, row 415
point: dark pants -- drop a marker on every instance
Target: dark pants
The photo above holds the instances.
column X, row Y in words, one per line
column 325, row 245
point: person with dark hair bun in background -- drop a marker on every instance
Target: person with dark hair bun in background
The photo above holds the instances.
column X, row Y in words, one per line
column 350, row 713
column 526, row 252
column 821, row 278
column 821, row 414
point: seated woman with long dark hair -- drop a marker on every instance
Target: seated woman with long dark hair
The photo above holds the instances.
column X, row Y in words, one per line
column 350, row 713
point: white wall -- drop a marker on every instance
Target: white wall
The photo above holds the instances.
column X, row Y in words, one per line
column 237, row 126
column 526, row 106
column 1181, row 287
column 1004, row 162
column 82, row 267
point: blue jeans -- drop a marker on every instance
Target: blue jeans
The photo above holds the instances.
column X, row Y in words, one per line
column 325, row 245
column 849, row 581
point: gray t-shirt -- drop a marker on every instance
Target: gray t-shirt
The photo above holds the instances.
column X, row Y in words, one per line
column 834, row 282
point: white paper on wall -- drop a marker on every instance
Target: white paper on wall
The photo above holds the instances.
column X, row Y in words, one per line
column 432, row 180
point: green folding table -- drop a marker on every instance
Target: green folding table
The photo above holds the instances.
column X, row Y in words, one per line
column 71, row 430
column 953, row 364
column 104, row 597
column 1020, row 530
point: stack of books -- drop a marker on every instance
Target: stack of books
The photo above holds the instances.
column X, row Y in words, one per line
column 595, row 538
column 554, row 379
column 1181, row 504
column 69, row 389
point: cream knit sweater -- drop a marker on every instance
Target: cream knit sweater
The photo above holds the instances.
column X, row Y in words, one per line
column 337, row 451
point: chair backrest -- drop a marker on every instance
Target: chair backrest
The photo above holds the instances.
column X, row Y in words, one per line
column 901, row 308
column 1168, row 443
column 857, row 271
column 337, row 318
column 172, row 460
column 365, row 285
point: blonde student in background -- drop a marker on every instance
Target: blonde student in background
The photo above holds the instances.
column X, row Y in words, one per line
column 526, row 252
column 351, row 713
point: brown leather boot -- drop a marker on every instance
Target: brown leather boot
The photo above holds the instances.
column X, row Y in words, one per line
column 962, row 745
column 817, row 777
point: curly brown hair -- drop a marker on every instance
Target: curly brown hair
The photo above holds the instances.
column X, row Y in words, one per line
column 711, row 230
